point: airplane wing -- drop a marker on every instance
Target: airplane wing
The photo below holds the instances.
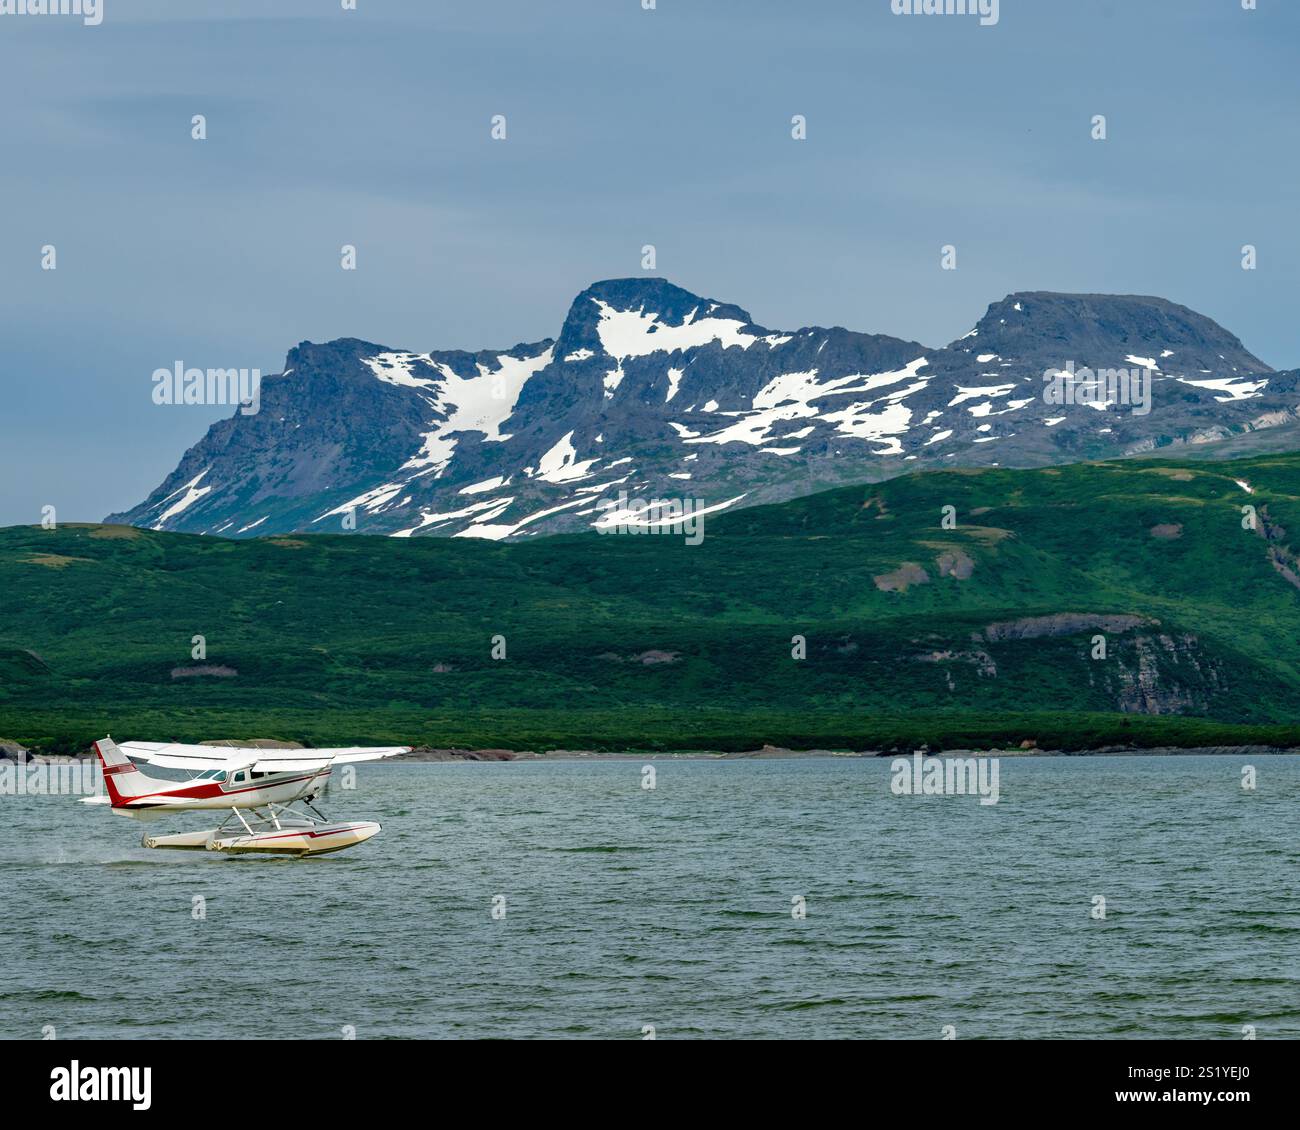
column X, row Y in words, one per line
column 176, row 755
column 142, row 751
column 286, row 760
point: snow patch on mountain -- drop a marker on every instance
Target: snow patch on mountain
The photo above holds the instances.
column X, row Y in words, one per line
column 372, row 501
column 489, row 508
column 964, row 394
column 561, row 465
column 986, row 408
column 631, row 515
column 193, row 492
column 792, row 396
column 487, row 484
column 885, row 425
column 395, row 369
column 500, row 531
column 636, row 333
column 1235, row 388
column 481, row 403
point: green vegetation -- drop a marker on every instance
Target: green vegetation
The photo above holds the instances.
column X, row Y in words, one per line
column 648, row 643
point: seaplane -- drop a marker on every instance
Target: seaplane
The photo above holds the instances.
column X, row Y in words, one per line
column 257, row 788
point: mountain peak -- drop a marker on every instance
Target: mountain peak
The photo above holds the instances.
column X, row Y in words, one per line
column 650, row 302
column 671, row 301
column 1091, row 328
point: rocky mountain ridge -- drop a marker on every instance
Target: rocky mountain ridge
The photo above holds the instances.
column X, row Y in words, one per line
column 651, row 391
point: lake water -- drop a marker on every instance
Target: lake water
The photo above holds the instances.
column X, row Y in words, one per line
column 672, row 907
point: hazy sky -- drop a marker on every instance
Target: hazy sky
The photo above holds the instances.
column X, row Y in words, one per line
column 625, row 127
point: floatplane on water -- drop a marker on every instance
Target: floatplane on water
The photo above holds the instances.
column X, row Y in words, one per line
column 255, row 786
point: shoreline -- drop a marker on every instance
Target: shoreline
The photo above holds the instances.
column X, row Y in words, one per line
column 432, row 755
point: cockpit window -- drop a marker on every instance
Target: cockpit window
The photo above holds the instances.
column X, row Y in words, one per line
column 212, row 775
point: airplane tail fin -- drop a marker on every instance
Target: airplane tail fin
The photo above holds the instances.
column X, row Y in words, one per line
column 122, row 778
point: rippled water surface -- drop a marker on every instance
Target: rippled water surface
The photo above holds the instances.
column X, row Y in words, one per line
column 627, row 907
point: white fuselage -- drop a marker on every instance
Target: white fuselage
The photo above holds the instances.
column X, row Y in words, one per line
column 239, row 788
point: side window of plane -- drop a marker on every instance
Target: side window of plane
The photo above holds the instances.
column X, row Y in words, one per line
column 239, row 777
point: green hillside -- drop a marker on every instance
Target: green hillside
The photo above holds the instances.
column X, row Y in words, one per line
column 915, row 633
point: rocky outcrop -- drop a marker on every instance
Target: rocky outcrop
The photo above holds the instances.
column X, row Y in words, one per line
column 982, row 661
column 207, row 670
column 1280, row 555
column 1060, row 624
column 430, row 753
column 902, row 578
column 1142, row 670
column 1161, row 674
column 956, row 564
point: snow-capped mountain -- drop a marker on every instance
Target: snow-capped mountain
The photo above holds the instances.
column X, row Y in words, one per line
column 657, row 393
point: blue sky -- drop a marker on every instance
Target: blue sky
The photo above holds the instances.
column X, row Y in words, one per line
column 625, row 127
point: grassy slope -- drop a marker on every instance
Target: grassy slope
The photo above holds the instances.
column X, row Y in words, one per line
column 335, row 638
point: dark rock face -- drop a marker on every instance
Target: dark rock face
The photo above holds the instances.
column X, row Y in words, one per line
column 12, row 751
column 1061, row 624
column 659, row 393
column 1164, row 674
column 1101, row 329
